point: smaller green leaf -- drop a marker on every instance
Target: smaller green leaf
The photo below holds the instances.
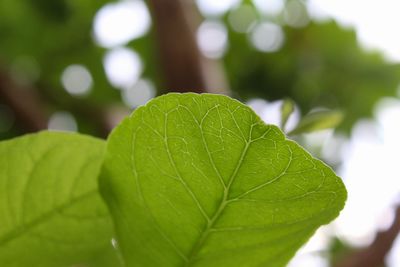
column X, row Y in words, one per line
column 317, row 121
column 287, row 109
column 51, row 213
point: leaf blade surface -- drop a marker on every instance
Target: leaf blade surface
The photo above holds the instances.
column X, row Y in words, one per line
column 51, row 213
column 200, row 180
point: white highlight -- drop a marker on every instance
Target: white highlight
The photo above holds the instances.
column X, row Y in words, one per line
column 376, row 22
column 138, row 94
column 270, row 7
column 216, row 7
column 123, row 67
column 267, row 37
column 309, row 260
column 295, row 14
column 77, row 80
column 371, row 175
column 212, row 38
column 242, row 18
column 114, row 243
column 118, row 23
column 270, row 113
column 393, row 258
column 62, row 121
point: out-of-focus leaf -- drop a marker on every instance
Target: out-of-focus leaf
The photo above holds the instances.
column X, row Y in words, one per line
column 318, row 65
column 51, row 213
column 317, row 121
column 287, row 109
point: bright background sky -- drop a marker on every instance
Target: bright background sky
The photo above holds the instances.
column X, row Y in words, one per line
column 370, row 156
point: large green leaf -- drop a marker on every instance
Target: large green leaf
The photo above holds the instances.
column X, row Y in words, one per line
column 51, row 214
column 200, row 180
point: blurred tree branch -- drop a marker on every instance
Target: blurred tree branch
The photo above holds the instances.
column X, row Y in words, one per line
column 184, row 67
column 104, row 118
column 374, row 255
column 25, row 103
column 30, row 111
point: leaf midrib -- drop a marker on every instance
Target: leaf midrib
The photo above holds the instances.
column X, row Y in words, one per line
column 225, row 201
column 26, row 227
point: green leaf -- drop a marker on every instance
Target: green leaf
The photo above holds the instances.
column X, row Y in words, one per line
column 287, row 109
column 200, row 180
column 317, row 121
column 51, row 213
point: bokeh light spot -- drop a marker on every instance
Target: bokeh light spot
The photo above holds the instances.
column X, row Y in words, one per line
column 212, row 38
column 216, row 7
column 309, row 260
column 296, row 14
column 62, row 121
column 267, row 37
column 242, row 18
column 123, row 67
column 270, row 7
column 138, row 94
column 77, row 80
column 118, row 23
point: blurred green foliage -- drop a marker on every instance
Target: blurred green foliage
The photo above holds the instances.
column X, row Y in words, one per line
column 41, row 38
column 320, row 65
